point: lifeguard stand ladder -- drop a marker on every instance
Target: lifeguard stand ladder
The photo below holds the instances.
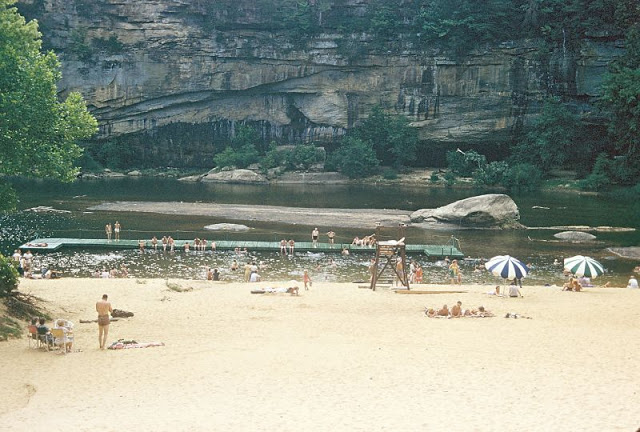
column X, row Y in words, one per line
column 390, row 251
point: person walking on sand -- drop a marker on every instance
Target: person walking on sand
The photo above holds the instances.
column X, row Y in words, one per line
column 103, row 307
column 314, row 237
column 107, row 230
column 307, row 280
column 116, row 229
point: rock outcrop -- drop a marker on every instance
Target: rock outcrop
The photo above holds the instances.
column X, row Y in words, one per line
column 243, row 176
column 227, row 227
column 575, row 236
column 166, row 78
column 631, row 252
column 483, row 211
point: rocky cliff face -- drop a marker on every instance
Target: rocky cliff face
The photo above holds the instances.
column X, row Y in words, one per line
column 156, row 76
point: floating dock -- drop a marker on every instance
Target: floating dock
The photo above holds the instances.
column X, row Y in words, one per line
column 55, row 244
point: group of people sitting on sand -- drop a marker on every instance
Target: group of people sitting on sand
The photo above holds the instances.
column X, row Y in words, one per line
column 457, row 311
column 572, row 285
column 368, row 241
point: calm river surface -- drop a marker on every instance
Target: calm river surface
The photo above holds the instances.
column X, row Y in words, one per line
column 534, row 246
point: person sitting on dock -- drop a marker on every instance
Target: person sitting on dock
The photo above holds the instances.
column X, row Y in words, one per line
column 142, row 244
column 292, row 245
column 164, row 243
column 186, row 247
column 283, row 247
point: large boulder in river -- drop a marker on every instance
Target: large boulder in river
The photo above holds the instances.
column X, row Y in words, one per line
column 574, row 236
column 483, row 211
column 235, row 176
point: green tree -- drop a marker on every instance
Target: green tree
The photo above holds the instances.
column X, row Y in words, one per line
column 551, row 141
column 8, row 276
column 620, row 92
column 38, row 132
column 242, row 150
column 355, row 158
column 393, row 140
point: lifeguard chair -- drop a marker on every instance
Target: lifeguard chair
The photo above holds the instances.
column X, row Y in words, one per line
column 393, row 254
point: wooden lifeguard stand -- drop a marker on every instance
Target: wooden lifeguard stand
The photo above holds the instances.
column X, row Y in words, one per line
column 393, row 254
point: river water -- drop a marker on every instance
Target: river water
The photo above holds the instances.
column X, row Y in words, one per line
column 537, row 247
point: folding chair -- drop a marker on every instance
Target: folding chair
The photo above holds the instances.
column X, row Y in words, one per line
column 33, row 336
column 59, row 339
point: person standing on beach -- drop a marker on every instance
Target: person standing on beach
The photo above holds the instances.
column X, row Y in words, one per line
column 247, row 271
column 314, row 237
column 454, row 272
column 306, row 279
column 107, row 230
column 116, row 229
column 103, row 307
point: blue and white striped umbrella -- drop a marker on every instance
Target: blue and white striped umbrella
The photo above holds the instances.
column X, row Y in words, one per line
column 507, row 267
column 583, row 266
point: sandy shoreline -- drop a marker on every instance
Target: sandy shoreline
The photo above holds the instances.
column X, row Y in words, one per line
column 337, row 357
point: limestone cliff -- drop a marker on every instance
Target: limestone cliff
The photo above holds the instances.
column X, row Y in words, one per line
column 154, row 74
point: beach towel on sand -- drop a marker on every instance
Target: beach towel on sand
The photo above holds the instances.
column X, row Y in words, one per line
column 126, row 344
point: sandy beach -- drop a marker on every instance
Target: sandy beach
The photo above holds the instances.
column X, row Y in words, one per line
column 337, row 357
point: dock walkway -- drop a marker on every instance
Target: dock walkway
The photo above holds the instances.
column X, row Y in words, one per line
column 54, row 244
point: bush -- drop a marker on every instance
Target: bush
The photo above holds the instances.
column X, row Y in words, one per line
column 389, row 174
column 449, row 178
column 464, row 164
column 273, row 158
column 240, row 158
column 600, row 176
column 8, row 276
column 522, row 178
column 355, row 158
column 303, row 156
column 434, row 177
column 8, row 197
column 491, row 174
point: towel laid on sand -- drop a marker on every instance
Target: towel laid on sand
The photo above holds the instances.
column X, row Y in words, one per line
column 126, row 344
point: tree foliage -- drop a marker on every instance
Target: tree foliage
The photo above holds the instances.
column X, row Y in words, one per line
column 620, row 96
column 9, row 278
column 551, row 141
column 241, row 151
column 355, row 158
column 393, row 140
column 38, row 132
